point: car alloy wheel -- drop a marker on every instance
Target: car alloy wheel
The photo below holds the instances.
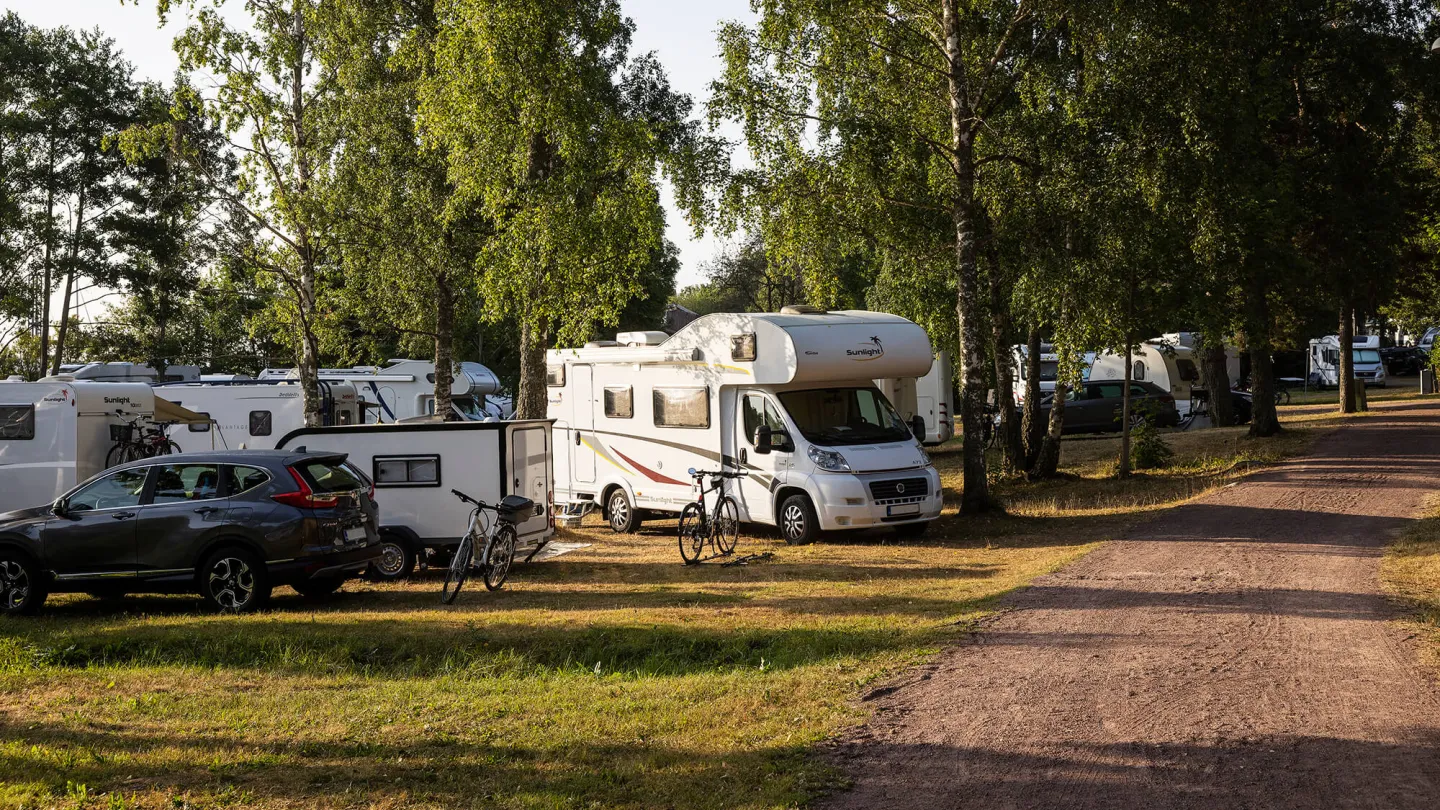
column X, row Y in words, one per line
column 14, row 584
column 232, row 583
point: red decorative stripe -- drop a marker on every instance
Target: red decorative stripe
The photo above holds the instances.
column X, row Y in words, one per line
column 649, row 473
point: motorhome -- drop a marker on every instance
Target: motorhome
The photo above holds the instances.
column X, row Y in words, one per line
column 405, row 389
column 1167, row 361
column 128, row 372
column 1324, row 361
column 787, row 398
column 56, row 432
column 415, row 465
column 931, row 397
column 251, row 414
column 1049, row 370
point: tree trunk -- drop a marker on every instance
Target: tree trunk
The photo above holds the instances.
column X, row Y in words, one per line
column 444, row 347
column 531, row 402
column 1217, row 382
column 1264, row 420
column 309, row 365
column 1001, row 328
column 48, row 273
column 1123, row 470
column 1346, row 373
column 1047, row 465
column 1032, row 425
column 74, row 263
column 975, row 496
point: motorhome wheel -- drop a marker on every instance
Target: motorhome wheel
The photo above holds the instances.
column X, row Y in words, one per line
column 621, row 513
column 798, row 522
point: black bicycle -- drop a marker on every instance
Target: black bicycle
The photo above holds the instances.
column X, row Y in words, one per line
column 134, row 441
column 499, row 537
column 719, row 527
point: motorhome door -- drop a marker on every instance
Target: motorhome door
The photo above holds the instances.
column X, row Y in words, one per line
column 530, row 473
column 582, row 452
column 754, row 491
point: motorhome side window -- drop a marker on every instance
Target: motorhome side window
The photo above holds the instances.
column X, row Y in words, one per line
column 682, row 407
column 17, row 422
column 260, row 423
column 200, row 427
column 406, row 471
column 555, row 376
column 620, row 402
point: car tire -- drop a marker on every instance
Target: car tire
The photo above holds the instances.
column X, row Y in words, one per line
column 396, row 560
column 233, row 580
column 23, row 586
column 799, row 524
column 912, row 531
column 621, row 513
column 319, row 588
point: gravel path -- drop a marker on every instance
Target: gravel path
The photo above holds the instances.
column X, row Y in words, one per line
column 1234, row 654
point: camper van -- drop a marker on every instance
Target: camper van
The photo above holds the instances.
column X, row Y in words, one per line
column 250, row 414
column 931, row 397
column 1168, row 362
column 56, row 433
column 1324, row 361
column 405, row 389
column 128, row 372
column 788, row 398
column 415, row 465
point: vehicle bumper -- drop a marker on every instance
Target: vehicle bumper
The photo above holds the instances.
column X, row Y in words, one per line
column 345, row 564
column 844, row 501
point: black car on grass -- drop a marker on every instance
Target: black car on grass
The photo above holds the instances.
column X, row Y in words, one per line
column 1095, row 406
column 228, row 525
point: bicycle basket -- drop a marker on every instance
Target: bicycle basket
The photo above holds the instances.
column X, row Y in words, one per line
column 124, row 434
column 515, row 508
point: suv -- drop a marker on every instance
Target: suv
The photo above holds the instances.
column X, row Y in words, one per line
column 230, row 525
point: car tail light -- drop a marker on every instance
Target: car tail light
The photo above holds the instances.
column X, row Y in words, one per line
column 305, row 498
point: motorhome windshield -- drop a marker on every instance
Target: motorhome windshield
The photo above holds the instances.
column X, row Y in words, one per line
column 1049, row 370
column 1365, row 355
column 468, row 407
column 842, row 416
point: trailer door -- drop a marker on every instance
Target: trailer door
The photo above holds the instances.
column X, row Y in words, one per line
column 581, row 447
column 530, row 473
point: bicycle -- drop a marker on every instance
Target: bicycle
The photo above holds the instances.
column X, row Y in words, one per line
column 134, row 441
column 500, row 540
column 720, row 528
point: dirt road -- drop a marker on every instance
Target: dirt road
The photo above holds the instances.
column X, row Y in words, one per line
column 1235, row 654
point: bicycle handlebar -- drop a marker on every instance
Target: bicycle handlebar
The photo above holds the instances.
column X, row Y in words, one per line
column 694, row 473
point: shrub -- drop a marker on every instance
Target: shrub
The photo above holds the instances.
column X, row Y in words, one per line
column 1148, row 450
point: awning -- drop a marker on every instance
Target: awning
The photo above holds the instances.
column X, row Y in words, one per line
column 167, row 411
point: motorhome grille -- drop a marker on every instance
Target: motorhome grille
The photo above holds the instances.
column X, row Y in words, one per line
column 900, row 488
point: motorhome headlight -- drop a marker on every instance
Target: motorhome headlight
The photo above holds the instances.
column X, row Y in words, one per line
column 924, row 456
column 829, row 460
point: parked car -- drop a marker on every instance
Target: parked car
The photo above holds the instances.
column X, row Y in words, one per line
column 229, row 525
column 1095, row 407
column 1402, row 361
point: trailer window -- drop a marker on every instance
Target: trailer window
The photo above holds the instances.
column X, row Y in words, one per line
column 200, row 427
column 406, row 471
column 1138, row 372
column 260, row 423
column 682, row 407
column 1188, row 372
column 17, row 422
column 555, row 376
column 620, row 403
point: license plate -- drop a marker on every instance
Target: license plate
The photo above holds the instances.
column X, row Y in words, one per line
column 356, row 533
column 903, row 509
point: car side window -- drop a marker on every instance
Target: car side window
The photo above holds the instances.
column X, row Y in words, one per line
column 242, row 479
column 1107, row 391
column 177, row 483
column 114, row 491
column 1138, row 391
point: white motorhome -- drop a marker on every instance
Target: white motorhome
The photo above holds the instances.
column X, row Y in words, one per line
column 56, row 433
column 128, row 372
column 1324, row 361
column 1049, row 370
column 931, row 397
column 1168, row 362
column 785, row 397
column 415, row 465
column 251, row 414
column 404, row 389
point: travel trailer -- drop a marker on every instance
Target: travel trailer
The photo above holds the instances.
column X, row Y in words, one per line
column 405, row 389
column 414, row 467
column 128, row 372
column 1049, row 370
column 1324, row 361
column 56, row 433
column 931, row 397
column 788, row 398
column 1168, row 362
column 251, row 414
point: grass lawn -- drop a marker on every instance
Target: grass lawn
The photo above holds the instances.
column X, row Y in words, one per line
column 1411, row 572
column 611, row 677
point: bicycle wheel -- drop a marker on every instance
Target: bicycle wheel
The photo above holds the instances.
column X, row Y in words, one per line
column 135, row 452
column 115, row 456
column 727, row 525
column 1282, row 397
column 692, row 533
column 498, row 558
column 166, row 448
column 459, row 569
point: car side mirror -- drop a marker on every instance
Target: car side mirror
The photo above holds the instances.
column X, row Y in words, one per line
column 764, row 440
column 60, row 508
column 917, row 427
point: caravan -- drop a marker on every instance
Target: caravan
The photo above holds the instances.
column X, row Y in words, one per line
column 405, row 389
column 931, row 398
column 1049, row 370
column 785, row 397
column 1168, row 362
column 251, row 414
column 1324, row 361
column 128, row 372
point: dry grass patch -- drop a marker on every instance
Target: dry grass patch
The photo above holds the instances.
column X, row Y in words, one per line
column 1411, row 573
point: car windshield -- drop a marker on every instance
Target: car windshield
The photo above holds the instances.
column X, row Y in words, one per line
column 1365, row 355
column 468, row 407
column 840, row 416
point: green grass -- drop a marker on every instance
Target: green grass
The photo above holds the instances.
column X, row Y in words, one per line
column 610, row 677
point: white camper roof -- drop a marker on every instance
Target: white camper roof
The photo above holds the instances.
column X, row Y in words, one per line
column 781, row 348
column 470, row 378
column 89, row 397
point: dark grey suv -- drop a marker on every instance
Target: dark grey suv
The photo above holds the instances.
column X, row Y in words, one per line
column 230, row 525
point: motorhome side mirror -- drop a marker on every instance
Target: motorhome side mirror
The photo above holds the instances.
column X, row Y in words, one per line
column 917, row 427
column 764, row 440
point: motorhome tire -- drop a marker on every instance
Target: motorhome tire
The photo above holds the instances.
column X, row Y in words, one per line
column 621, row 513
column 798, row 522
column 396, row 561
column 23, row 586
column 234, row 580
column 912, row 531
column 318, row 588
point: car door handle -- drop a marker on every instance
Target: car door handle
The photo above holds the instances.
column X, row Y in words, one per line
column 122, row 515
column 205, row 510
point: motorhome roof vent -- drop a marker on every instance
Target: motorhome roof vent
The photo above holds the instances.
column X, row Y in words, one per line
column 802, row 309
column 604, row 344
column 641, row 338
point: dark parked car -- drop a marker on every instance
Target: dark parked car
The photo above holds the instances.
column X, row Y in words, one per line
column 1095, row 407
column 229, row 525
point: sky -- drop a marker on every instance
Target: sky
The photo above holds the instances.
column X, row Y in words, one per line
column 680, row 32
